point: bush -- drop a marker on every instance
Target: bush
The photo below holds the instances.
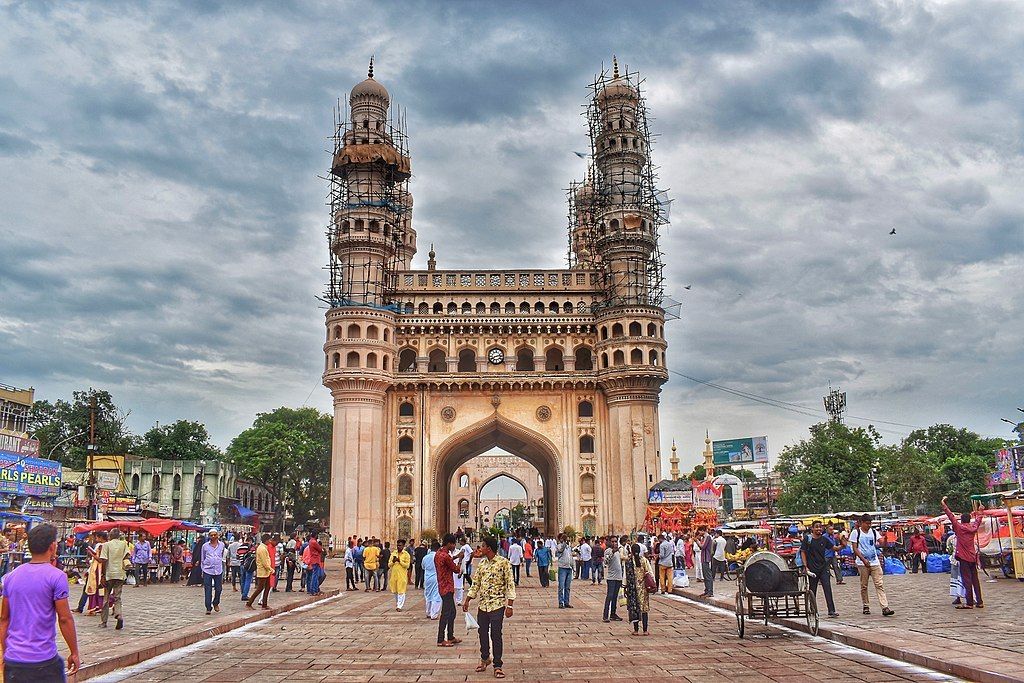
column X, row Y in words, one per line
column 570, row 532
column 429, row 535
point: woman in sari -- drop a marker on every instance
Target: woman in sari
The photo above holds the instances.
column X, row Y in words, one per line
column 638, row 601
column 92, row 583
column 431, row 595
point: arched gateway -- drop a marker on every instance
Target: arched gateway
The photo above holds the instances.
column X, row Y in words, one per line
column 430, row 368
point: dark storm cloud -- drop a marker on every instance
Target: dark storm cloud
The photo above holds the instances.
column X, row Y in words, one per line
column 163, row 221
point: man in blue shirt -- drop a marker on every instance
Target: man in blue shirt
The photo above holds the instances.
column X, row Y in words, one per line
column 830, row 555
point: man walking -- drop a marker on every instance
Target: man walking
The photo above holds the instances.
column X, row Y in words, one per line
column 112, row 561
column 833, row 558
column 177, row 555
column 35, row 598
column 814, row 552
column 142, row 554
column 918, row 552
column 864, row 541
column 543, row 556
column 597, row 552
column 233, row 563
column 496, row 591
column 315, row 567
column 446, row 570
column 707, row 554
column 719, row 554
column 527, row 555
column 212, row 563
column 613, row 572
column 371, row 560
column 586, row 555
column 246, row 567
column 398, row 574
column 418, row 555
column 515, row 558
column 264, row 570
column 563, row 551
column 358, row 556
column 666, row 562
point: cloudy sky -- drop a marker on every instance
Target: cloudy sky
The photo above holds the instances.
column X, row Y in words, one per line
column 161, row 218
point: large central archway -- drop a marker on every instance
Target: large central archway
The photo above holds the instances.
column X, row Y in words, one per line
column 496, row 432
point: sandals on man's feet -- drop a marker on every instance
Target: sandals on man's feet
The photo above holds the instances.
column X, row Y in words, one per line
column 482, row 666
column 498, row 673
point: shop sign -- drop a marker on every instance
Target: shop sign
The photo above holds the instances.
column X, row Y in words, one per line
column 107, row 480
column 39, row 503
column 23, row 476
column 18, row 445
column 118, row 502
column 706, row 495
column 165, row 510
column 678, row 497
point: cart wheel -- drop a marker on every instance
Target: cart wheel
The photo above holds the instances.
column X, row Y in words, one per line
column 739, row 613
column 811, row 607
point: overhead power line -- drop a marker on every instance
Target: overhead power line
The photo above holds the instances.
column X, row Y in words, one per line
column 786, row 405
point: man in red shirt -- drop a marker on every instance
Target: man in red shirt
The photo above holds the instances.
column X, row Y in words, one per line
column 528, row 554
column 444, row 561
column 966, row 532
column 918, row 549
column 314, row 569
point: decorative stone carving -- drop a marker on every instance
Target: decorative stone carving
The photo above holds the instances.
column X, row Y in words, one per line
column 638, row 433
column 448, row 414
column 495, row 401
column 544, row 413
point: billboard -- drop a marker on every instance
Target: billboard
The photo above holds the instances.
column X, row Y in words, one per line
column 741, row 451
column 12, row 443
column 679, row 497
column 21, row 476
column 1008, row 463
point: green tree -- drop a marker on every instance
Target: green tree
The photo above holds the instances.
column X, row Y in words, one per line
column 965, row 475
column 181, row 440
column 830, row 471
column 517, row 516
column 288, row 452
column 62, row 428
column 910, row 477
column 946, row 441
column 698, row 473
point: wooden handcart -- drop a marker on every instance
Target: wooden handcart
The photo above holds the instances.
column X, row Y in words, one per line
column 785, row 596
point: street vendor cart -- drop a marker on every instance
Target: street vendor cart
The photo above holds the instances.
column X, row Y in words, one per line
column 768, row 589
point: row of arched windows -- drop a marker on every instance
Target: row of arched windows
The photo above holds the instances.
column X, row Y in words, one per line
column 253, row 500
column 359, row 225
column 355, row 331
column 624, row 142
column 495, row 308
column 635, row 328
column 355, row 359
column 554, row 361
column 636, row 357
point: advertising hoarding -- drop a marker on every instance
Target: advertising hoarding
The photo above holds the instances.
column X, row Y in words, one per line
column 679, row 497
column 740, row 451
column 13, row 443
column 21, row 476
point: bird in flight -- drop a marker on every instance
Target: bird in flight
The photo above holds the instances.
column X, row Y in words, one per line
column 688, row 287
column 893, row 231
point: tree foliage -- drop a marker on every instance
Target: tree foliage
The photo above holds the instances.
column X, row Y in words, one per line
column 910, row 477
column 180, row 440
column 62, row 428
column 830, row 471
column 288, row 452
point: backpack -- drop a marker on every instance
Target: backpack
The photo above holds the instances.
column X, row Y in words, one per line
column 248, row 563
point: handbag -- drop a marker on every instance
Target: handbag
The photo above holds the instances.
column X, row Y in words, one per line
column 650, row 582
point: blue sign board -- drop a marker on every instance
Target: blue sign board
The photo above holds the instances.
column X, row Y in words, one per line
column 20, row 476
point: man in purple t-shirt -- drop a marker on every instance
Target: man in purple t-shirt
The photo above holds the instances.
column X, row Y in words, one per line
column 35, row 597
column 212, row 564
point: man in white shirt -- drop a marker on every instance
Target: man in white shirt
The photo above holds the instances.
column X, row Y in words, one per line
column 233, row 564
column 680, row 552
column 586, row 554
column 515, row 557
column 719, row 554
column 467, row 561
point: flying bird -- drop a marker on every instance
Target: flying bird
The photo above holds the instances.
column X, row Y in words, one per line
column 893, row 231
column 581, row 155
column 688, row 287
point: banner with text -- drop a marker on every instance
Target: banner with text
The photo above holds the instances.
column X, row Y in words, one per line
column 740, row 451
column 21, row 476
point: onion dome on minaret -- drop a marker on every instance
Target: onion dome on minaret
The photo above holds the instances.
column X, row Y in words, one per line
column 371, row 87
column 618, row 86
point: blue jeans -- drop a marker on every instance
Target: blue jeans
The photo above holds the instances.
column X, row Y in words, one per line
column 313, row 579
column 212, row 584
column 564, row 579
column 585, row 569
column 246, row 584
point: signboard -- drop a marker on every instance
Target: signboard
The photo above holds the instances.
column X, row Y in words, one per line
column 107, row 480
column 706, row 495
column 39, row 503
column 106, row 461
column 1008, row 462
column 655, row 496
column 740, row 451
column 165, row 510
column 118, row 502
column 19, row 445
column 677, row 497
column 21, row 476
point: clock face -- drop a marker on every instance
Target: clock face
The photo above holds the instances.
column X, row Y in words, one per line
column 495, row 356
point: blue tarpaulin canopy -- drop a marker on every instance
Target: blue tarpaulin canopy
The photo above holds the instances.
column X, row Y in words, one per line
column 244, row 512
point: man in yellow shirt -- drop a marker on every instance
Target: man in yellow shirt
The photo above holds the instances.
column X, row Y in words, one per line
column 264, row 569
column 371, row 561
column 494, row 586
column 398, row 582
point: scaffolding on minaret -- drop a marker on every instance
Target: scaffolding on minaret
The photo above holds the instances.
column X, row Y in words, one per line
column 620, row 176
column 368, row 192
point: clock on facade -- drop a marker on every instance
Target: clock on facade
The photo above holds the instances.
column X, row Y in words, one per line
column 495, row 356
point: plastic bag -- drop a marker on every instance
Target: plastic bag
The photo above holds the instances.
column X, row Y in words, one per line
column 680, row 579
column 471, row 622
column 130, row 580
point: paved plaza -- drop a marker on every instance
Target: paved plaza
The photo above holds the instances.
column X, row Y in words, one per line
column 925, row 623
column 359, row 636
column 157, row 613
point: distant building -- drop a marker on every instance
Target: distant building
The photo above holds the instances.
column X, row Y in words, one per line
column 15, row 407
column 183, row 489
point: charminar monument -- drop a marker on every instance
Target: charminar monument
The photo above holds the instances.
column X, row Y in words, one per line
column 431, row 368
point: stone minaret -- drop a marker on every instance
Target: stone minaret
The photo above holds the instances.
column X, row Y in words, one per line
column 709, row 459
column 674, row 462
column 625, row 243
column 371, row 239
